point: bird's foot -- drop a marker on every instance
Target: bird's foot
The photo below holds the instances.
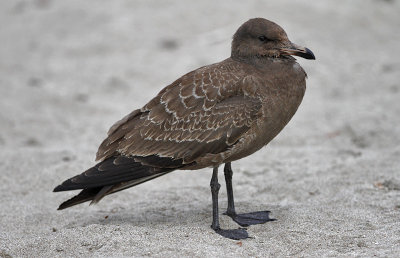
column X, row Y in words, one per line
column 235, row 234
column 251, row 218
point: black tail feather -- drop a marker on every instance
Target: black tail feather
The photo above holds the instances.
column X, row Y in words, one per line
column 97, row 193
column 83, row 196
column 112, row 175
column 108, row 172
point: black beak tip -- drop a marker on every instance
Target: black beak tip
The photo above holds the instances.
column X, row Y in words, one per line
column 309, row 54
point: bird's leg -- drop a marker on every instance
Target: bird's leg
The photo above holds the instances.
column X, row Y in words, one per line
column 245, row 219
column 214, row 194
column 228, row 180
column 235, row 234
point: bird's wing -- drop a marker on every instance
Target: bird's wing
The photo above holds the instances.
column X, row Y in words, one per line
column 204, row 112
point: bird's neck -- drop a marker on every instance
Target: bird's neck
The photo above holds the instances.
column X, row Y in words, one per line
column 260, row 61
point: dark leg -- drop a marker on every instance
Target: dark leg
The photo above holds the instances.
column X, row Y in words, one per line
column 245, row 219
column 228, row 233
column 215, row 186
column 228, row 180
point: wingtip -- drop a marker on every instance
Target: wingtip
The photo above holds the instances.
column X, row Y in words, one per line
column 58, row 188
column 67, row 186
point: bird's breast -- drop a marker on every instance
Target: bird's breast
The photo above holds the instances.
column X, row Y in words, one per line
column 281, row 96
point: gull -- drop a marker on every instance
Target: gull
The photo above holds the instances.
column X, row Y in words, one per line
column 211, row 116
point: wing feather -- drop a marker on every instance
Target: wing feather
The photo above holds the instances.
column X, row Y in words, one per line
column 204, row 112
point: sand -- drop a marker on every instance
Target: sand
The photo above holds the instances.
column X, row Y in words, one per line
column 69, row 69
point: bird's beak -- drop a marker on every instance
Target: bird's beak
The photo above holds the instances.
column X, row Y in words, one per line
column 298, row 51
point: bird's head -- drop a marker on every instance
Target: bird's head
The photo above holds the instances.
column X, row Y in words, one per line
column 259, row 37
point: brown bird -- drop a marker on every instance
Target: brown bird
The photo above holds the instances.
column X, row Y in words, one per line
column 214, row 115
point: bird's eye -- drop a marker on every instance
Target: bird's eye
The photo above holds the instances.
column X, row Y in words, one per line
column 262, row 38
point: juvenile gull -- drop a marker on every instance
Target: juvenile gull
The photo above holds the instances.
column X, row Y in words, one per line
column 214, row 115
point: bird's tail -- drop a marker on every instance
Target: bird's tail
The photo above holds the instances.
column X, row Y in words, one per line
column 109, row 176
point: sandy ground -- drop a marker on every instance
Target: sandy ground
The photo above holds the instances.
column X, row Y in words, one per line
column 69, row 69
